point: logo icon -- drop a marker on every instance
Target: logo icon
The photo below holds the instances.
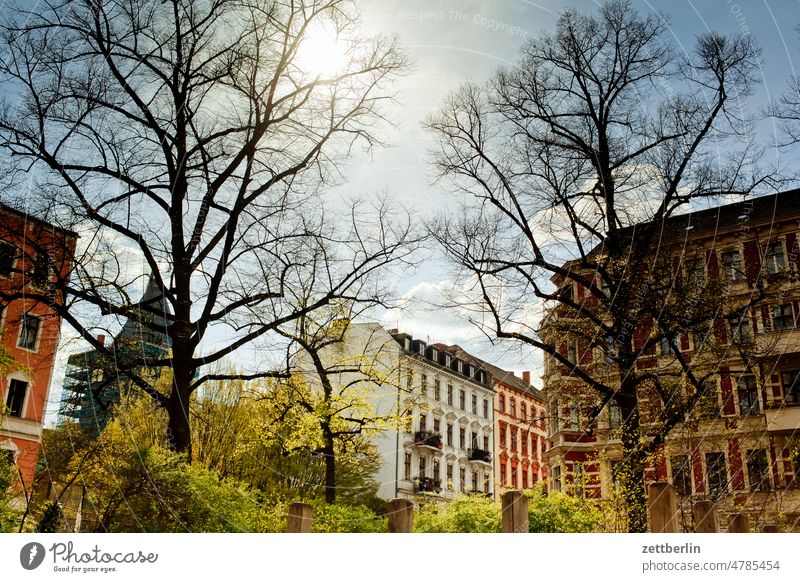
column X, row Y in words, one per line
column 31, row 555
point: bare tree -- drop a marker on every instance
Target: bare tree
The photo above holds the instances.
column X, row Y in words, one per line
column 602, row 125
column 198, row 137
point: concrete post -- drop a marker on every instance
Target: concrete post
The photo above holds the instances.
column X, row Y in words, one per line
column 301, row 516
column 705, row 517
column 515, row 512
column 738, row 523
column 662, row 508
column 401, row 516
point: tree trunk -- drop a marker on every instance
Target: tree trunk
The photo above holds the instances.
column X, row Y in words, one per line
column 330, row 468
column 632, row 477
column 179, row 435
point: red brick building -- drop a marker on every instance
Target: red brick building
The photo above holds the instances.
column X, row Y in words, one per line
column 740, row 446
column 519, row 413
column 34, row 255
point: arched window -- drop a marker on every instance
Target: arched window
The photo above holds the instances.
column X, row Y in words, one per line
column 502, row 404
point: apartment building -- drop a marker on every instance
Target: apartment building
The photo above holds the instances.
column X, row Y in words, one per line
column 740, row 446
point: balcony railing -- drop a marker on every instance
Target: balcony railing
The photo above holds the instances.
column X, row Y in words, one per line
column 428, row 485
column 427, row 438
column 480, row 455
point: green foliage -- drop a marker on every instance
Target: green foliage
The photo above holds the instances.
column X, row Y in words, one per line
column 52, row 520
column 465, row 514
column 557, row 512
column 339, row 518
column 8, row 478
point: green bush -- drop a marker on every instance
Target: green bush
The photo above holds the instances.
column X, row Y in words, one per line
column 465, row 514
column 557, row 512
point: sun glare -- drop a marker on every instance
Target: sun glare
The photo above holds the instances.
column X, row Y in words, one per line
column 322, row 53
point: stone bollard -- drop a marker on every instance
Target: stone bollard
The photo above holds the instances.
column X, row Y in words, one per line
column 401, row 516
column 738, row 523
column 301, row 516
column 662, row 507
column 515, row 512
column 705, row 517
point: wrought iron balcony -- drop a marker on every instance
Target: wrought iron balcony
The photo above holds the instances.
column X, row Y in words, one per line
column 427, row 438
column 480, row 455
column 428, row 485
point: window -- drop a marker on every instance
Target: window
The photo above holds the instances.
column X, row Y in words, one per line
column 436, row 469
column 717, row 475
column 450, row 395
column 616, row 475
column 524, row 479
column 29, row 332
column 513, row 439
column 748, row 395
column 449, row 435
column 513, row 408
column 665, row 344
column 503, row 437
column 572, row 352
column 534, row 446
column 422, row 467
column 681, row 474
column 578, row 479
column 7, row 255
column 424, row 384
column 695, row 271
column 473, row 440
column 557, row 478
column 513, row 476
column 708, row 402
column 474, row 481
column 407, row 465
column 565, row 293
column 462, row 478
column 502, row 404
column 409, row 380
column 782, row 317
column 474, row 404
column 97, row 375
column 502, row 474
column 40, row 274
column 437, row 425
column 462, row 400
column 423, row 421
column 790, row 381
column 773, row 258
column 486, row 483
column 437, row 390
column 524, row 442
column 486, row 442
column 450, row 476
column 758, row 470
column 740, row 327
column 732, row 265
column 462, row 437
column 523, row 412
column 15, row 398
column 485, row 408
column 574, row 419
column 614, row 416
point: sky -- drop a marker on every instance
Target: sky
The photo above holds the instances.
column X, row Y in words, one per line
column 451, row 42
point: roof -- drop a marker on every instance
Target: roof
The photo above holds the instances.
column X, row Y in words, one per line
column 499, row 374
column 29, row 217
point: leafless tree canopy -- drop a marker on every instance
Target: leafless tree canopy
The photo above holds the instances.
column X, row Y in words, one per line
column 601, row 125
column 189, row 137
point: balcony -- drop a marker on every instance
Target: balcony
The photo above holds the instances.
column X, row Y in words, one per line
column 427, row 438
column 427, row 485
column 783, row 419
column 480, row 455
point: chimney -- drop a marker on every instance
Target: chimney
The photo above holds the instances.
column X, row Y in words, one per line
column 101, row 339
column 526, row 376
